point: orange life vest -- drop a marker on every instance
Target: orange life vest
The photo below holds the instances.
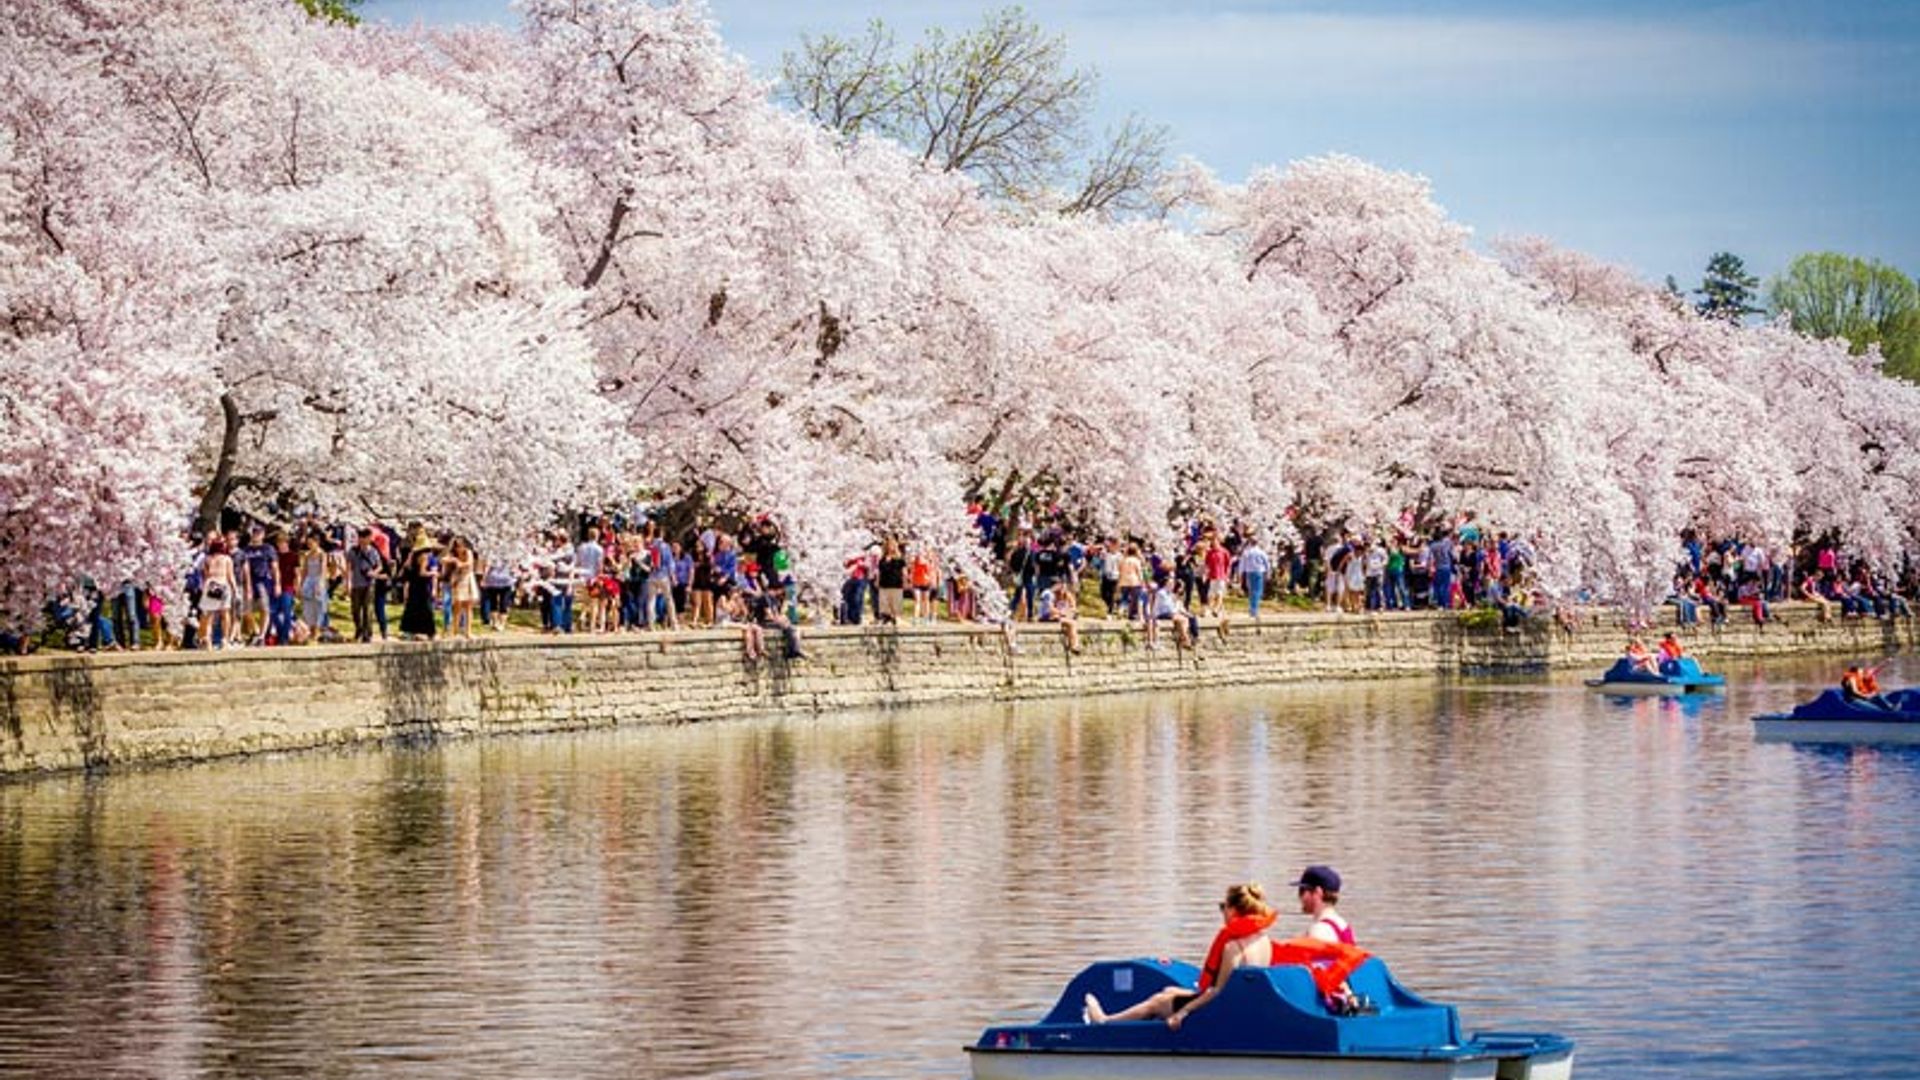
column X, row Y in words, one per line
column 1329, row 961
column 1238, row 927
column 1855, row 684
column 1869, row 682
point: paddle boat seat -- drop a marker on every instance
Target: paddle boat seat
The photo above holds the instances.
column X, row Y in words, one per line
column 1257, row 1010
column 1833, row 705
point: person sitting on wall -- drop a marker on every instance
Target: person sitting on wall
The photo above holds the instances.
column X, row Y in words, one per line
column 766, row 609
column 1162, row 605
column 1057, row 605
column 1515, row 609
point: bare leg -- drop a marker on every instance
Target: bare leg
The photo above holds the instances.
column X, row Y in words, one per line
column 1157, row 1007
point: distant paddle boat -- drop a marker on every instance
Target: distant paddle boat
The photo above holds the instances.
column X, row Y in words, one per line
column 1267, row 1023
column 1831, row 718
column 1682, row 676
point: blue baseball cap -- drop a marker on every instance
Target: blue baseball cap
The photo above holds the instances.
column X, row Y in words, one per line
column 1319, row 877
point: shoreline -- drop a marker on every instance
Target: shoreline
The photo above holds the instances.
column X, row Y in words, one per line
column 68, row 712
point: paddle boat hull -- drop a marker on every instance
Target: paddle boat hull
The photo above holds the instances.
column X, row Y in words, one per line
column 1831, row 718
column 1265, row 1024
column 1657, row 689
column 1839, row 732
column 1540, row 1064
column 1682, row 676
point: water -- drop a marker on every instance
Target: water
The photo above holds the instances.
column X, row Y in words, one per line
column 857, row 896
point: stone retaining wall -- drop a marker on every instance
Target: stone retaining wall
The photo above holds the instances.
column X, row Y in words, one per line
column 74, row 712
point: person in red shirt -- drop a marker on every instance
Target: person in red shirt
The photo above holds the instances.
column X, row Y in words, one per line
column 921, row 576
column 1217, row 564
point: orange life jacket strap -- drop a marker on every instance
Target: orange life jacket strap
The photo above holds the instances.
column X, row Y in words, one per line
column 1236, row 928
column 1330, row 962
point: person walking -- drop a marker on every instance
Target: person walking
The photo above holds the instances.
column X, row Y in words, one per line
column 1132, row 583
column 363, row 566
column 218, row 589
column 893, row 582
column 656, row 600
column 465, row 587
column 1254, row 568
column 419, row 581
column 312, row 582
column 1216, row 564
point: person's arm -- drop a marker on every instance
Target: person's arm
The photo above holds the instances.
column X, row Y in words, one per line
column 1229, row 960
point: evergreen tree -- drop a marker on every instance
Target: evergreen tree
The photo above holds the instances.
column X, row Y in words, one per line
column 1728, row 291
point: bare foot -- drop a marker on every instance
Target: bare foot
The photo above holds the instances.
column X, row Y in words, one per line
column 1092, row 1011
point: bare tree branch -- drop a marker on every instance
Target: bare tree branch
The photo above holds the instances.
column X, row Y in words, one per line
column 1125, row 173
column 999, row 103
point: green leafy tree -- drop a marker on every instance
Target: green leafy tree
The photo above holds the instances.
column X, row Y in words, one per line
column 339, row 11
column 1728, row 291
column 1829, row 295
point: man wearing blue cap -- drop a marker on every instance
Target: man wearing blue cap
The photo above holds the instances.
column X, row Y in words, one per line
column 1319, row 888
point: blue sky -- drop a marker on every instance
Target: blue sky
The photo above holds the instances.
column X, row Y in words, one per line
column 1648, row 133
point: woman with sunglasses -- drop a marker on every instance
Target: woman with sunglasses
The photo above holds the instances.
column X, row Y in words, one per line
column 1242, row 939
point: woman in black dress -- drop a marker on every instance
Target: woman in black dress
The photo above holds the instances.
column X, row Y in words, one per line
column 417, row 620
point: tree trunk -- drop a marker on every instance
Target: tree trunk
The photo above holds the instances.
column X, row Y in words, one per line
column 604, row 256
column 214, row 499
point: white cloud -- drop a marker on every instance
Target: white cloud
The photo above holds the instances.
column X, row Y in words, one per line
column 1292, row 57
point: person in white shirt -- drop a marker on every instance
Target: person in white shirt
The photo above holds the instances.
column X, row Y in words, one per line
column 1319, row 888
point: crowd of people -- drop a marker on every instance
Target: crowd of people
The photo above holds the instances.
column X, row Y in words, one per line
column 275, row 586
column 1716, row 576
column 265, row 584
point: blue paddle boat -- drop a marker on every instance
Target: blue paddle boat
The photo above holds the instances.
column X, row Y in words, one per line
column 1831, row 718
column 1265, row 1024
column 1682, row 676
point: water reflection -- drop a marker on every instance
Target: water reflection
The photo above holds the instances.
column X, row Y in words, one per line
column 859, row 895
column 1690, row 706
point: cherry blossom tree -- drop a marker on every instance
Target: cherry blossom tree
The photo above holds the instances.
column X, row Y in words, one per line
column 756, row 286
column 338, row 269
column 472, row 276
column 1450, row 383
column 1769, row 430
column 94, row 372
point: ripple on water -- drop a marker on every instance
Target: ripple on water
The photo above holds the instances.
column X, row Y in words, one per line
column 856, row 896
